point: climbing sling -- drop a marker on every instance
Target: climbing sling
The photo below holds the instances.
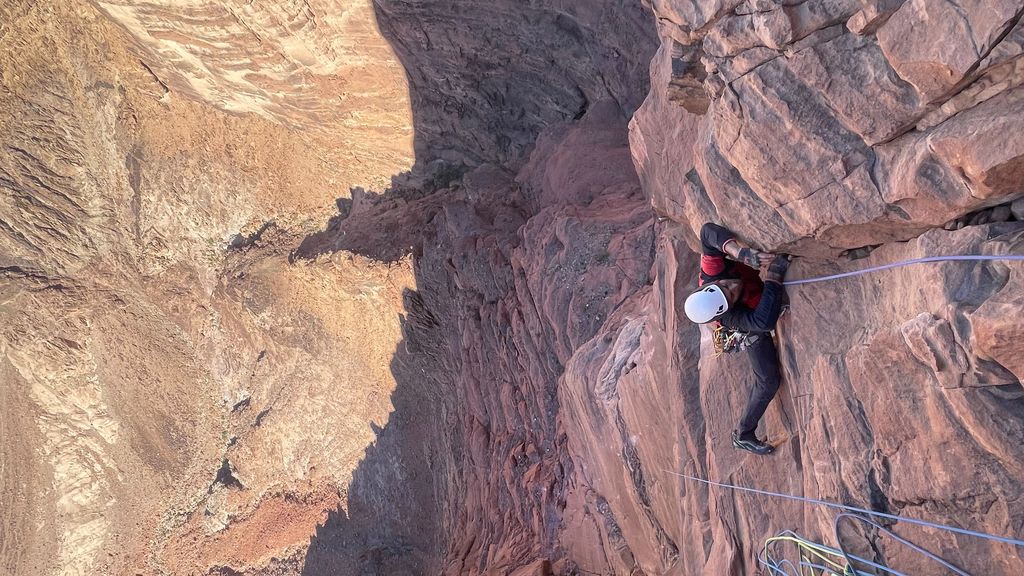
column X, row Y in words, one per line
column 727, row 341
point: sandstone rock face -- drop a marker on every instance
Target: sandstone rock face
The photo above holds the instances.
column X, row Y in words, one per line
column 238, row 337
column 320, row 67
column 828, row 126
column 887, row 394
column 835, row 125
column 176, row 396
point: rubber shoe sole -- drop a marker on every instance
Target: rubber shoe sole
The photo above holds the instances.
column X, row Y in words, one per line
column 753, row 446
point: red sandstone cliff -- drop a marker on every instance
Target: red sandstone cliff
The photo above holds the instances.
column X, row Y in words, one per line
column 481, row 367
column 579, row 389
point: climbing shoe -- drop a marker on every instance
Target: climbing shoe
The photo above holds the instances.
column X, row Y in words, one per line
column 751, row 444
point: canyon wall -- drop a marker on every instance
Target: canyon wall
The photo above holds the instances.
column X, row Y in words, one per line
column 336, row 287
column 892, row 382
column 177, row 397
column 853, row 134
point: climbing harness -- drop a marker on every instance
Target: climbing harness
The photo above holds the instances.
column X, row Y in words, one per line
column 902, row 263
column 728, row 341
column 829, row 555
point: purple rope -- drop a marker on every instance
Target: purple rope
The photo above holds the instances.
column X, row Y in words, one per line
column 903, row 263
column 1003, row 539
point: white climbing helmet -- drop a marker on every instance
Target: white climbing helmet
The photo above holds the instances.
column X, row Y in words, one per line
column 706, row 304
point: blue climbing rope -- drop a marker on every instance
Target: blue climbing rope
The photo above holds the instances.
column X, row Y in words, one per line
column 902, row 263
column 778, row 568
column 1003, row 539
column 892, row 535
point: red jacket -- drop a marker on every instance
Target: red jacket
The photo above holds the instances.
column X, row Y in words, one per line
column 714, row 265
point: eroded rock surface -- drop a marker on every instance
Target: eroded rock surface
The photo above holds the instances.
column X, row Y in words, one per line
column 834, row 125
column 827, row 127
column 320, row 67
column 238, row 338
column 177, row 398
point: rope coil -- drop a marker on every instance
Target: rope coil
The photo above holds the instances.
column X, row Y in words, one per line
column 820, row 551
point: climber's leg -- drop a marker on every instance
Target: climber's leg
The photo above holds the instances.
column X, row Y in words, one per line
column 765, row 361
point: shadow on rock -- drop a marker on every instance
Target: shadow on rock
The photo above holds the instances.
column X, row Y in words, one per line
column 391, row 523
column 467, row 474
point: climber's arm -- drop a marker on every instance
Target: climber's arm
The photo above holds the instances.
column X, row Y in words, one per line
column 760, row 319
column 713, row 239
column 718, row 242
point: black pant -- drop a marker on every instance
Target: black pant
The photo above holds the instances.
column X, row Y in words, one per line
column 765, row 361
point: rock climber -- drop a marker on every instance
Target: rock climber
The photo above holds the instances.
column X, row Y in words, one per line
column 732, row 294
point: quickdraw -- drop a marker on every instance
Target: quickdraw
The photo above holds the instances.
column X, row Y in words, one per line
column 728, row 341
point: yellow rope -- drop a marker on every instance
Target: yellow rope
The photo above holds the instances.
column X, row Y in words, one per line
column 723, row 339
column 809, row 546
column 718, row 339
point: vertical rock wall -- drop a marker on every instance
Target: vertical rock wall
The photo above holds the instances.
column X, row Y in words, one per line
column 176, row 397
column 480, row 366
column 832, row 125
column 816, row 127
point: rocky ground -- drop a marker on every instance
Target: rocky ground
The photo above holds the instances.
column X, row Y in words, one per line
column 177, row 396
column 337, row 287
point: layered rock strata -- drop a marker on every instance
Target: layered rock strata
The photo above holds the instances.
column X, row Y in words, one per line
column 481, row 366
column 176, row 397
column 832, row 125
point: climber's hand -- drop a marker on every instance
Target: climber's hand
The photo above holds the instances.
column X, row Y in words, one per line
column 777, row 269
column 766, row 261
column 751, row 257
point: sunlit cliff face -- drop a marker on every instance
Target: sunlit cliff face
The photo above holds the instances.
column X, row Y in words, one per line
column 318, row 67
column 176, row 395
column 393, row 287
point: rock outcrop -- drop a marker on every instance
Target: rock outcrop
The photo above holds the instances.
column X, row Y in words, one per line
column 834, row 125
column 177, row 398
column 887, row 394
column 337, row 287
